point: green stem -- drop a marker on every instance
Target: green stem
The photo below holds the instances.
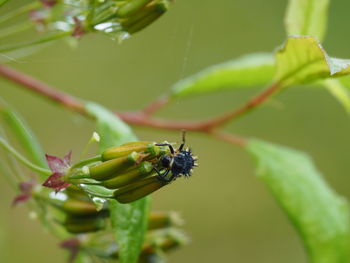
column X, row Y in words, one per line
column 7, row 173
column 23, row 160
column 42, row 196
column 35, row 42
column 2, row 2
column 19, row 11
column 18, row 28
column 94, row 159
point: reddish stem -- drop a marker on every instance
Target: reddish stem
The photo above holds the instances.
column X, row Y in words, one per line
column 43, row 89
column 248, row 106
column 228, row 137
column 156, row 105
column 143, row 118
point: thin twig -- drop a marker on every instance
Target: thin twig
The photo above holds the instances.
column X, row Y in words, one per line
column 42, row 89
column 228, row 137
column 143, row 118
column 248, row 106
column 156, row 105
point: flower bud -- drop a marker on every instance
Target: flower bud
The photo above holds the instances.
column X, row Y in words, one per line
column 158, row 220
column 145, row 16
column 137, row 190
column 131, row 7
column 158, row 242
column 108, row 169
column 136, row 143
column 78, row 207
column 123, row 150
column 74, row 192
column 142, row 170
column 79, row 225
column 161, row 241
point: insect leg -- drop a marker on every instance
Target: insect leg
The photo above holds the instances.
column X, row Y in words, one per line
column 162, row 176
column 183, row 140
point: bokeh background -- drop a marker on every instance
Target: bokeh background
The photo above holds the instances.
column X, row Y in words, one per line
column 229, row 214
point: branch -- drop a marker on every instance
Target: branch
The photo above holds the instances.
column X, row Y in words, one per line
column 156, row 105
column 143, row 118
column 43, row 89
column 247, row 107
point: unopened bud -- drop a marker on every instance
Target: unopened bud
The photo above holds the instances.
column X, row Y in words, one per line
column 145, row 17
column 158, row 220
column 78, row 207
column 137, row 190
column 131, row 175
column 79, row 225
column 108, row 169
column 163, row 241
column 74, row 192
column 123, row 150
column 131, row 7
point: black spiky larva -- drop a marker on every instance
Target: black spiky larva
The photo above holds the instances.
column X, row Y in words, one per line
column 179, row 162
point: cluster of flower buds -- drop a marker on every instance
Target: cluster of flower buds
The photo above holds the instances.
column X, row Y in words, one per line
column 118, row 18
column 90, row 226
column 81, row 214
column 162, row 236
column 125, row 173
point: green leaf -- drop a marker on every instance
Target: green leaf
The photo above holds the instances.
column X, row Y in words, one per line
column 307, row 17
column 24, row 135
column 345, row 81
column 130, row 224
column 338, row 90
column 302, row 59
column 320, row 215
column 129, row 221
column 247, row 71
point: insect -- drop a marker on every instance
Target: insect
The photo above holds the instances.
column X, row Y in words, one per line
column 178, row 162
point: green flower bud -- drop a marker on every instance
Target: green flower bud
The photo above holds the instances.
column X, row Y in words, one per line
column 137, row 190
column 142, row 170
column 161, row 241
column 136, row 143
column 158, row 242
column 131, row 7
column 123, row 150
column 74, row 192
column 158, row 220
column 79, row 207
column 77, row 225
column 145, row 17
column 108, row 169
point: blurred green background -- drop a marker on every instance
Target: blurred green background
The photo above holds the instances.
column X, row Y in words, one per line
column 229, row 214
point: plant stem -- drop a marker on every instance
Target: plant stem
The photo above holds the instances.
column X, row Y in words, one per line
column 23, row 160
column 20, row 11
column 7, row 173
column 87, row 161
column 18, row 28
column 43, row 89
column 156, row 105
column 234, row 139
column 247, row 107
column 2, row 2
column 143, row 118
column 34, row 42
